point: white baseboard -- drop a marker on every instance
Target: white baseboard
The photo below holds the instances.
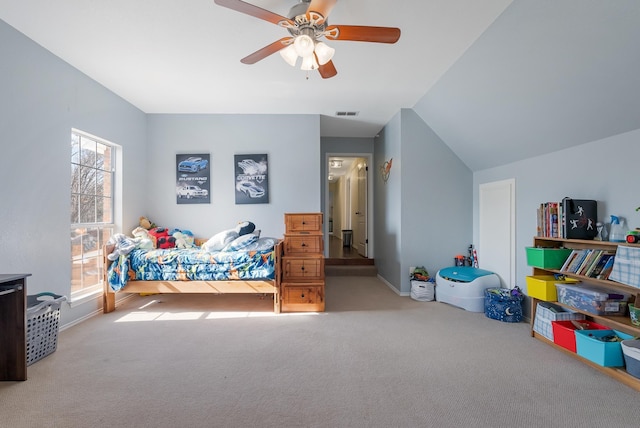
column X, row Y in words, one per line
column 394, row 289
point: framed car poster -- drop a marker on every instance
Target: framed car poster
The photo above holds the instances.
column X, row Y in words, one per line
column 252, row 179
column 192, row 179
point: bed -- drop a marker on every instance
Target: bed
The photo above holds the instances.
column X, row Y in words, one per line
column 256, row 270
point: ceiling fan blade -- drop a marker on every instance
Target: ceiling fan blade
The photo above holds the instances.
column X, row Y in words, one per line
column 359, row 33
column 327, row 70
column 323, row 7
column 266, row 51
column 255, row 11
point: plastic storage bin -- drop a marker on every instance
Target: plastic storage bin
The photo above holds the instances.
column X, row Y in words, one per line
column 631, row 353
column 463, row 286
column 543, row 287
column 606, row 354
column 546, row 313
column 564, row 332
column 547, row 258
column 43, row 319
column 595, row 300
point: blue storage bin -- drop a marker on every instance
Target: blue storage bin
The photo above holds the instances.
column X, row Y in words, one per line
column 606, row 354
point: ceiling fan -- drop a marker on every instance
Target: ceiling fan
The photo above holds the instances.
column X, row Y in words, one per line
column 307, row 23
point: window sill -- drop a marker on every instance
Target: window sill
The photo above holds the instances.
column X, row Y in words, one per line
column 84, row 297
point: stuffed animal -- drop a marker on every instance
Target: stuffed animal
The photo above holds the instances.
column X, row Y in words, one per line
column 162, row 238
column 142, row 238
column 146, row 223
column 245, row 227
column 123, row 245
column 183, row 240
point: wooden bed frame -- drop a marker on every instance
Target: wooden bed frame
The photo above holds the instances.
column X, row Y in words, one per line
column 210, row 287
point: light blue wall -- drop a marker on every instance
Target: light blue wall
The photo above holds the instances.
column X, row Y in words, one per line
column 387, row 203
column 294, row 170
column 424, row 210
column 42, row 99
column 605, row 170
column 437, row 200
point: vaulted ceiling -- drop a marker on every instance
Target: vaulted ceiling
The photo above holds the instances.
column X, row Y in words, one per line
column 497, row 80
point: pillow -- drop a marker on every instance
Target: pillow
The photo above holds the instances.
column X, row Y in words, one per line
column 220, row 240
column 245, row 227
column 262, row 244
column 241, row 242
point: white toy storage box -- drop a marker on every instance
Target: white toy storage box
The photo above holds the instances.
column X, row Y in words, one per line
column 463, row 286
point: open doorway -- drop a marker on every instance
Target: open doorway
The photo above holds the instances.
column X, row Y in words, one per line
column 348, row 206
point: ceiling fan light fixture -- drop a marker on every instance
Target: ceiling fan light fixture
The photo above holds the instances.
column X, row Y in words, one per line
column 304, row 45
column 290, row 55
column 309, row 63
column 324, row 53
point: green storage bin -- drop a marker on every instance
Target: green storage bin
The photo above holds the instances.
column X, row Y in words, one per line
column 547, row 258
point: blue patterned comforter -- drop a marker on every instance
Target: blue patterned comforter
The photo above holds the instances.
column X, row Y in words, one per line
column 193, row 264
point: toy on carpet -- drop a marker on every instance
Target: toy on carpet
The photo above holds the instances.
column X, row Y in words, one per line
column 146, row 223
column 123, row 245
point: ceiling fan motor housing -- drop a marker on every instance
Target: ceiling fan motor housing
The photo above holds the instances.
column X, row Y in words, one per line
column 311, row 28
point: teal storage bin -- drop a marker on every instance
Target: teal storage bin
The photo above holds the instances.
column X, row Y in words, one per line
column 606, row 354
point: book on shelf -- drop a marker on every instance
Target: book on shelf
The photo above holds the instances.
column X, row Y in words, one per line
column 592, row 263
column 588, row 266
column 570, row 259
column 606, row 270
column 577, row 261
column 602, row 261
column 548, row 220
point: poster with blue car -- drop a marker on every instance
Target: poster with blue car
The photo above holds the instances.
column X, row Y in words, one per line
column 192, row 179
column 252, row 179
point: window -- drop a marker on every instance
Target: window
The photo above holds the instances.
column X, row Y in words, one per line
column 92, row 209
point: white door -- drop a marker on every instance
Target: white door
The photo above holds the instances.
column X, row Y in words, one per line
column 496, row 246
column 361, row 210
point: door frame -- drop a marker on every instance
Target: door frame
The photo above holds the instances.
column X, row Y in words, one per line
column 327, row 204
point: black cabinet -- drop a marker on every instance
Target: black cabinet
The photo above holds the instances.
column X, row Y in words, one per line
column 13, row 320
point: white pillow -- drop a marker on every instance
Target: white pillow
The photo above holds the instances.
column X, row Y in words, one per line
column 218, row 241
column 241, row 242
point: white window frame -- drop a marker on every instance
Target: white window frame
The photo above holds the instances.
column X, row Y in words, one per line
column 93, row 290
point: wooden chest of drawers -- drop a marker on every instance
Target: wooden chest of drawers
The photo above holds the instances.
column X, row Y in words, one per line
column 302, row 244
column 303, row 297
column 302, row 286
column 303, row 222
column 302, row 267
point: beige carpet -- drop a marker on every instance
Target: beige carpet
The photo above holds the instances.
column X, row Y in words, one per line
column 374, row 359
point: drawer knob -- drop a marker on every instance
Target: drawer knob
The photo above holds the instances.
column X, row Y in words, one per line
column 303, row 245
column 302, row 268
column 302, row 295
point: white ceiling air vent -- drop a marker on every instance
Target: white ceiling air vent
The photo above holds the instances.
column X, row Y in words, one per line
column 346, row 113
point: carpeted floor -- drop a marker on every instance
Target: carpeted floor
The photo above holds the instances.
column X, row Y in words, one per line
column 373, row 359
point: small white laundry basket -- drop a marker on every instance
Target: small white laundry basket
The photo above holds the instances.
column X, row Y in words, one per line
column 423, row 291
